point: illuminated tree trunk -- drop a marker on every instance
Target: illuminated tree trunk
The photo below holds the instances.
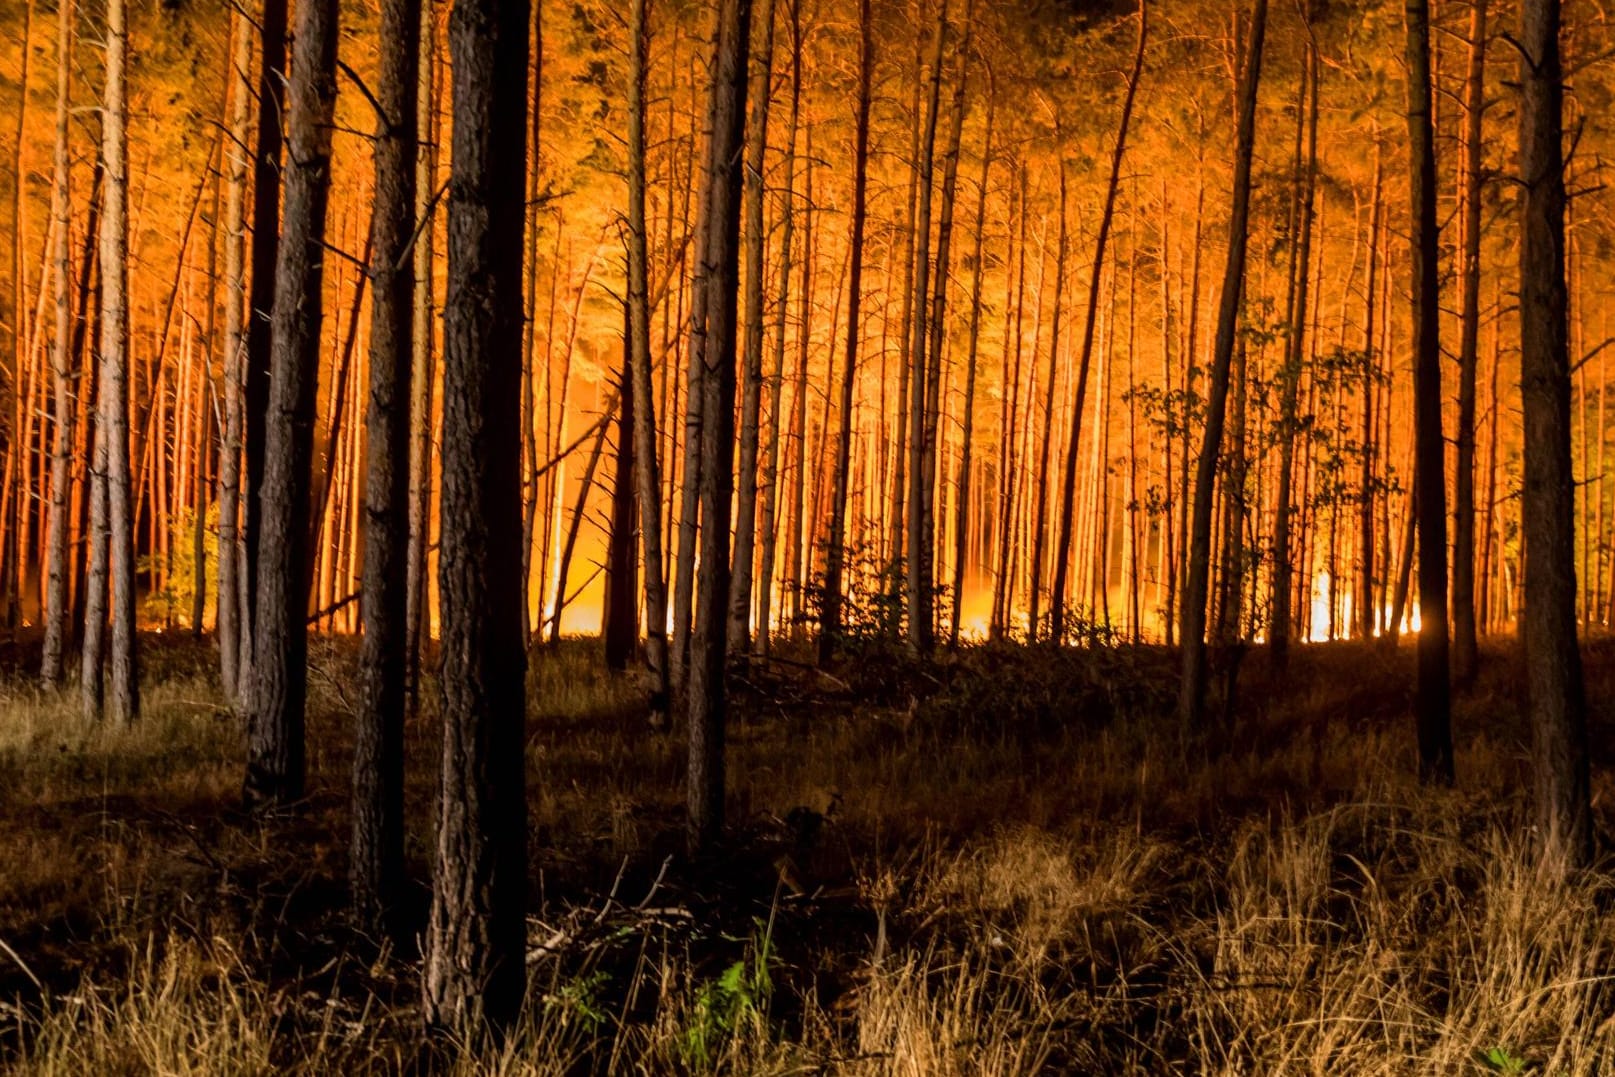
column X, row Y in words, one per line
column 794, row 568
column 706, row 697
column 1305, row 199
column 936, row 337
column 475, row 972
column 421, row 367
column 376, row 861
column 962, row 517
column 11, row 509
column 1009, row 421
column 61, row 481
column 266, row 228
column 275, row 750
column 1062, row 548
column 830, row 626
column 124, row 697
column 740, row 599
column 1433, row 702
column 1034, row 568
column 1557, row 703
column 771, row 472
column 1465, row 651
column 1192, row 623
column 1368, row 605
column 647, row 470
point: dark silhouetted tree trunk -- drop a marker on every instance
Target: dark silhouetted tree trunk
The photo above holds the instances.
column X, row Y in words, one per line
column 275, row 750
column 647, row 469
column 1062, row 548
column 266, row 182
column 621, row 614
column 1430, row 481
column 961, row 526
column 475, row 945
column 376, row 862
column 705, row 689
column 740, row 599
column 1197, row 581
column 1557, row 702
column 1465, row 649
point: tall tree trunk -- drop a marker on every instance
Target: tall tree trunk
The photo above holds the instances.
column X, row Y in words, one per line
column 475, row 945
column 61, row 480
column 1557, row 702
column 771, row 481
column 1034, row 568
column 1465, row 650
column 1192, row 614
column 422, row 374
column 830, row 627
column 1062, row 548
column 275, row 750
column 917, row 597
column 376, row 861
column 124, row 688
column 1368, row 613
column 740, row 600
column 705, row 689
column 961, row 526
column 1433, row 702
column 647, row 470
column 1305, row 200
column 266, row 229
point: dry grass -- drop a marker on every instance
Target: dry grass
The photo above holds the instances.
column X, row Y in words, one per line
column 1001, row 863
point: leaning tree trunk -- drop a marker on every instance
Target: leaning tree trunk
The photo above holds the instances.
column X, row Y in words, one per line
column 1465, row 648
column 1553, row 661
column 61, row 479
column 475, row 944
column 720, row 243
column 124, row 695
column 830, row 624
column 275, row 750
column 376, row 863
column 1062, row 548
column 1433, row 699
column 1192, row 613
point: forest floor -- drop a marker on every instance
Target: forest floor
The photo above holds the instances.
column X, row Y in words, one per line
column 1002, row 861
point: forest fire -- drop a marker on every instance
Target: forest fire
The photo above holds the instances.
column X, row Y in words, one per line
column 866, row 446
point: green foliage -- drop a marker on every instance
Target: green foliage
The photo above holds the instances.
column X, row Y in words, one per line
column 733, row 1002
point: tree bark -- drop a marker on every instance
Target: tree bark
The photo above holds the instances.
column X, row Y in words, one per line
column 705, row 690
column 1430, row 482
column 1465, row 648
column 376, row 862
column 275, row 750
column 61, row 480
column 124, row 695
column 266, row 184
column 740, row 600
column 961, row 526
column 475, row 971
column 1557, row 702
column 647, row 470
column 620, row 617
